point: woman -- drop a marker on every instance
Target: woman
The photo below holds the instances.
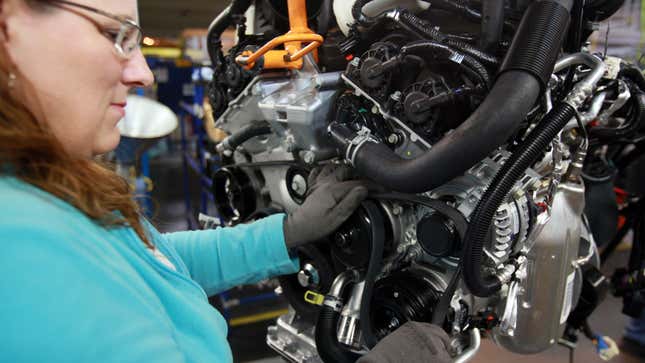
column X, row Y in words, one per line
column 84, row 278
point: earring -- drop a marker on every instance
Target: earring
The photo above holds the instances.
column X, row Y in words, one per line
column 12, row 80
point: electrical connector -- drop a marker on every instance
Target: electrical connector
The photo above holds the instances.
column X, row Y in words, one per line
column 606, row 348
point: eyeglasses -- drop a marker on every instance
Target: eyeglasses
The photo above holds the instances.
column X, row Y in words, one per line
column 127, row 39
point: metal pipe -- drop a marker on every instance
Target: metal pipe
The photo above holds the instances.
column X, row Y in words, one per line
column 594, row 109
column 585, row 87
column 591, row 252
column 342, row 281
column 469, row 353
column 328, row 81
column 582, row 58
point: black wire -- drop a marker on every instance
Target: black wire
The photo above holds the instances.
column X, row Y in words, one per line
column 576, row 27
column 604, row 54
column 581, row 126
column 586, row 330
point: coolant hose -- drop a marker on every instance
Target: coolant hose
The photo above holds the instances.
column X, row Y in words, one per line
column 525, row 155
column 219, row 25
column 524, row 73
column 244, row 134
column 492, row 24
column 601, row 10
column 357, row 10
column 329, row 349
column 505, row 179
column 327, row 343
column 634, row 74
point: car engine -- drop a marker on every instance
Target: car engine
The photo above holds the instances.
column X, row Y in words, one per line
column 476, row 123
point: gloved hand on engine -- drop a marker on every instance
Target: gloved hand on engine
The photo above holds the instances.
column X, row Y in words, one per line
column 414, row 342
column 332, row 198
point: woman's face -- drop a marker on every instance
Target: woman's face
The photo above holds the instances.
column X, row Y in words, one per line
column 69, row 74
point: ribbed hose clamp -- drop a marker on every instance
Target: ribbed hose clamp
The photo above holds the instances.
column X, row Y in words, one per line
column 364, row 135
column 334, row 303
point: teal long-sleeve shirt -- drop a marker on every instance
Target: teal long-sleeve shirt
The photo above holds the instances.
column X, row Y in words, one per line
column 73, row 291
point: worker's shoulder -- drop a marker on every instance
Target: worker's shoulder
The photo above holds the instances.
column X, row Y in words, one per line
column 32, row 218
column 22, row 201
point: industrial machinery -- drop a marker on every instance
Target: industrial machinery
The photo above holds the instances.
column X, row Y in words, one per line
column 478, row 124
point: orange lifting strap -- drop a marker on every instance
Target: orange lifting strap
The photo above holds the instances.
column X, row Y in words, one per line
column 291, row 56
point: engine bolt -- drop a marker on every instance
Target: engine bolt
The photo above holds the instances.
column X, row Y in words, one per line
column 341, row 239
column 299, row 185
column 396, row 96
column 308, row 276
column 394, row 323
column 393, row 139
column 309, row 157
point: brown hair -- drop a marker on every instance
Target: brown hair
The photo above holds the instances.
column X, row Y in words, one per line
column 34, row 155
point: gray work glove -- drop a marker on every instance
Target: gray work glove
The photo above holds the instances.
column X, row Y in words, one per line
column 332, row 198
column 414, row 342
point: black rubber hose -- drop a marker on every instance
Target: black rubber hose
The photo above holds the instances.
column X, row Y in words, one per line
column 639, row 149
column 357, row 10
column 599, row 10
column 373, row 269
column 326, row 339
column 512, row 170
column 421, row 27
column 541, row 34
column 327, row 343
column 574, row 39
column 218, row 26
column 458, row 6
column 529, row 65
column 494, row 121
column 492, row 24
column 246, row 133
column 444, row 52
column 634, row 74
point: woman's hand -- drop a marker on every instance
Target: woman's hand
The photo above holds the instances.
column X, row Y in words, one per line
column 332, row 198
